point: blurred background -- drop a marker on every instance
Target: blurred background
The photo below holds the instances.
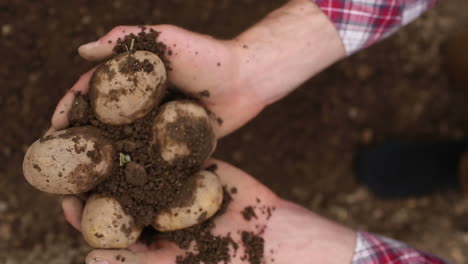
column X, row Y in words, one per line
column 301, row 147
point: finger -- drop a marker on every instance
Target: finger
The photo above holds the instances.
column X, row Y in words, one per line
column 249, row 193
column 194, row 58
column 60, row 116
column 104, row 46
column 248, row 189
column 72, row 209
column 50, row 131
column 115, row 257
column 160, row 256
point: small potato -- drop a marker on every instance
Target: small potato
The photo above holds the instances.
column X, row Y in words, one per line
column 127, row 87
column 182, row 130
column 200, row 199
column 70, row 161
column 104, row 224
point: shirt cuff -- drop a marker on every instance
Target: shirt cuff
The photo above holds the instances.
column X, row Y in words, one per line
column 362, row 23
column 373, row 249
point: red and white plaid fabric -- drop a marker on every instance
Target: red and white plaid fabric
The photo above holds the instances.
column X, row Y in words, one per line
column 373, row 249
column 361, row 23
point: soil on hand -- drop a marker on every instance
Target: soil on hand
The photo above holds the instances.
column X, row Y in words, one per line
column 211, row 249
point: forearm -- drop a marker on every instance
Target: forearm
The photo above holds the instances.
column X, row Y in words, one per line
column 285, row 49
column 300, row 39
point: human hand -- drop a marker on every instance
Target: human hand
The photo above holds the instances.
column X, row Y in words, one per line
column 292, row 234
column 199, row 64
column 241, row 75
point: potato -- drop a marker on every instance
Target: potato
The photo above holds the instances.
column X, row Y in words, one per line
column 182, row 130
column 104, row 224
column 127, row 87
column 70, row 161
column 200, row 199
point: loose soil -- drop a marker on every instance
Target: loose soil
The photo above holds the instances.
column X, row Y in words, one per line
column 255, row 247
column 163, row 182
column 396, row 89
column 248, row 213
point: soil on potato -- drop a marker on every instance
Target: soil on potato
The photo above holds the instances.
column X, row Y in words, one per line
column 396, row 89
column 147, row 184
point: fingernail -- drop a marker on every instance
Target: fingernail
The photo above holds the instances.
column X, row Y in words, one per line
column 98, row 261
column 88, row 46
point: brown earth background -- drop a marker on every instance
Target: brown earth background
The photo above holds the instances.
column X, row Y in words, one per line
column 301, row 147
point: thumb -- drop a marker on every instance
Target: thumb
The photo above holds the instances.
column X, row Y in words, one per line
column 200, row 63
column 115, row 257
column 164, row 254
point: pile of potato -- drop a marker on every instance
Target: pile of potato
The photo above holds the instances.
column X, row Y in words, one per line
column 76, row 160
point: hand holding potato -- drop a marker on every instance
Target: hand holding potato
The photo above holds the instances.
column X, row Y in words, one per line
column 125, row 92
column 292, row 233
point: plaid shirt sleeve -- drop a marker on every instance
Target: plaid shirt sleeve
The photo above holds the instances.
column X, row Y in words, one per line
column 372, row 249
column 361, row 23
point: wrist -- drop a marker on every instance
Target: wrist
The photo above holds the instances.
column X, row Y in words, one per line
column 289, row 46
column 311, row 236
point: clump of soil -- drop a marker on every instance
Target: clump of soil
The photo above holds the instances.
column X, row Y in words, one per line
column 135, row 174
column 254, row 247
column 132, row 65
column 145, row 40
column 80, row 111
column 248, row 213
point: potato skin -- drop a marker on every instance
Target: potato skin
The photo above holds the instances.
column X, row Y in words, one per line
column 182, row 130
column 70, row 161
column 121, row 94
column 204, row 202
column 104, row 224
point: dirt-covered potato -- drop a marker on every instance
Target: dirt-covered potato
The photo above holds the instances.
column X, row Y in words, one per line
column 70, row 161
column 182, row 130
column 200, row 199
column 104, row 224
column 127, row 87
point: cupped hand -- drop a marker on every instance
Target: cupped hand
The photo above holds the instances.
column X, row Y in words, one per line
column 292, row 234
column 200, row 65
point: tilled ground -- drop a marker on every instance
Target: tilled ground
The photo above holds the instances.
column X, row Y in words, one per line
column 302, row 147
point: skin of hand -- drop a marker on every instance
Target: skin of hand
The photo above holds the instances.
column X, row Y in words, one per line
column 293, row 233
column 243, row 75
